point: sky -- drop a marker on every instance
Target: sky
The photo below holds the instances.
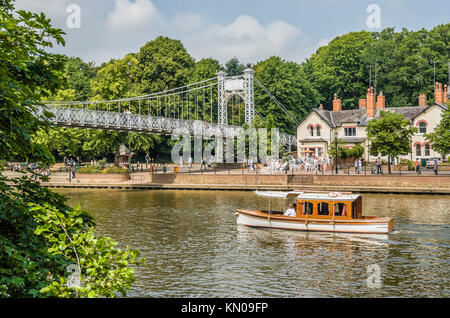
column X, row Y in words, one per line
column 251, row 30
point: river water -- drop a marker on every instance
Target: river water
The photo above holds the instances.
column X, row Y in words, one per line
column 194, row 248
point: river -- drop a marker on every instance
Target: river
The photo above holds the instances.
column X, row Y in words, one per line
column 195, row 249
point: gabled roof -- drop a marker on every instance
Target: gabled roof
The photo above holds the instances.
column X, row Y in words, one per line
column 337, row 118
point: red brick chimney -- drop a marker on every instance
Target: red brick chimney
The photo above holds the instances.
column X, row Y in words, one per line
column 370, row 102
column 337, row 103
column 362, row 103
column 423, row 100
column 445, row 93
column 438, row 93
column 381, row 100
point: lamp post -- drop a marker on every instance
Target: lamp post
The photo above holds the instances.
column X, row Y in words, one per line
column 336, row 145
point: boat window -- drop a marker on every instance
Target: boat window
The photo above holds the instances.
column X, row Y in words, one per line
column 340, row 209
column 307, row 208
column 354, row 210
column 323, row 208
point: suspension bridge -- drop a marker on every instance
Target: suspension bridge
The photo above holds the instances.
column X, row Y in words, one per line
column 216, row 107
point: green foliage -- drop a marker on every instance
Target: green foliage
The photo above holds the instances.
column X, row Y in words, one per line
column 288, row 83
column 440, row 138
column 113, row 80
column 339, row 68
column 234, row 67
column 162, row 64
column 104, row 269
column 403, row 62
column 40, row 235
column 390, row 135
column 115, row 170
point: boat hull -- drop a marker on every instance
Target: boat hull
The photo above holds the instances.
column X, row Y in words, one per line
column 258, row 220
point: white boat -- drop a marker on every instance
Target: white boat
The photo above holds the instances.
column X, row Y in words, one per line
column 317, row 211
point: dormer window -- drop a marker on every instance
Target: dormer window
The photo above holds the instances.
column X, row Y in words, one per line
column 350, row 131
column 422, row 128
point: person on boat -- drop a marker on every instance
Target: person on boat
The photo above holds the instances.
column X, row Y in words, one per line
column 291, row 211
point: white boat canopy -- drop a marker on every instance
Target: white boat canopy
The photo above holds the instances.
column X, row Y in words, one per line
column 278, row 195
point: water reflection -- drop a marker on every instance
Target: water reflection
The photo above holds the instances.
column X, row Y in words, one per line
column 195, row 249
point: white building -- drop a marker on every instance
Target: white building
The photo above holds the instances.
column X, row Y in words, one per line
column 320, row 127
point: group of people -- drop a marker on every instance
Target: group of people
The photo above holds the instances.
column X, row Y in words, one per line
column 32, row 167
column 358, row 166
column 316, row 164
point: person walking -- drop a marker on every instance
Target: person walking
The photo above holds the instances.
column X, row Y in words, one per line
column 190, row 162
column 147, row 160
column 418, row 167
column 435, row 167
column 359, row 166
column 356, row 166
column 379, row 166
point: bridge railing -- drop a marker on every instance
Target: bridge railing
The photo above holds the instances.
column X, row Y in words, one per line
column 100, row 119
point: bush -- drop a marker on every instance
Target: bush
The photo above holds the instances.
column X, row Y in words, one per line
column 115, row 169
column 97, row 169
column 89, row 169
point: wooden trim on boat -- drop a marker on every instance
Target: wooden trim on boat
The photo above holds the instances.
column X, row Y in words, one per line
column 366, row 220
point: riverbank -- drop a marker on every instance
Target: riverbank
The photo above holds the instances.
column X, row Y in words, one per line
column 267, row 182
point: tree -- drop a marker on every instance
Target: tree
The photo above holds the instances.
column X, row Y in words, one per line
column 408, row 62
column 339, row 68
column 162, row 64
column 390, row 135
column 287, row 82
column 40, row 234
column 440, row 137
column 234, row 67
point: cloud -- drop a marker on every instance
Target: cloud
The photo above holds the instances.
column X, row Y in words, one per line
column 187, row 22
column 245, row 38
column 130, row 16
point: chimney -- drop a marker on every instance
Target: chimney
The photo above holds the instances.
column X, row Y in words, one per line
column 337, row 103
column 321, row 107
column 362, row 103
column 381, row 100
column 422, row 100
column 438, row 93
column 445, row 93
column 370, row 102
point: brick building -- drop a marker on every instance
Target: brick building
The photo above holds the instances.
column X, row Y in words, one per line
column 320, row 127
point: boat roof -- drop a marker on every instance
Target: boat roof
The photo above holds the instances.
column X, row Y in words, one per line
column 276, row 194
column 331, row 196
column 325, row 196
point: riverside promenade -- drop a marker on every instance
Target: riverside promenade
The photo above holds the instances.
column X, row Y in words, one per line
column 261, row 179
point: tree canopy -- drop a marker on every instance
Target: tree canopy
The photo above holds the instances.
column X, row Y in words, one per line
column 40, row 234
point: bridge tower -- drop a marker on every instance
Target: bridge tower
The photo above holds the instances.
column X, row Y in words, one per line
column 241, row 86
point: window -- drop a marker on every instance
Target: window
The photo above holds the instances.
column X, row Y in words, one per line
column 350, row 131
column 354, row 210
column 418, row 150
column 318, row 131
column 323, row 208
column 340, row 209
column 311, row 131
column 422, row 128
column 427, row 149
column 307, row 208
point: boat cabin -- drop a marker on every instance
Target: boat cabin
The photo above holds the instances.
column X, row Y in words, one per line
column 334, row 205
column 329, row 206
